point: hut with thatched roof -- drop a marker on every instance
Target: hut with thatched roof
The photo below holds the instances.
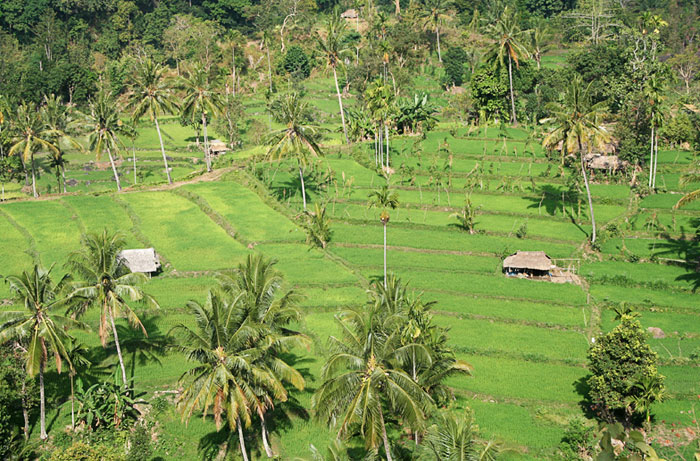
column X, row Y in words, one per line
column 528, row 264
column 141, row 260
column 610, row 163
column 349, row 14
column 217, row 147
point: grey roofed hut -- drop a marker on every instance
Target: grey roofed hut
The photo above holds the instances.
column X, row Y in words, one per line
column 141, row 260
column 217, row 147
column 528, row 263
column 349, row 14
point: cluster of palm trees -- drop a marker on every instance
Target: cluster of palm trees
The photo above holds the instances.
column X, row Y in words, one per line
column 95, row 278
column 387, row 369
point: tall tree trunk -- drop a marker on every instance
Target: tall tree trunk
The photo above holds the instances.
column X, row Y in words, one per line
column 241, row 439
column 651, row 156
column 72, row 403
column 63, row 175
column 397, row 4
column 233, row 69
column 162, row 151
column 266, row 443
column 376, row 150
column 207, row 155
column 303, row 189
column 42, row 400
column 386, row 132
column 384, row 255
column 588, row 190
column 119, row 349
column 34, row 178
column 25, row 409
column 133, row 157
column 385, row 438
column 437, row 35
column 340, row 103
column 114, row 170
column 656, row 156
column 513, row 118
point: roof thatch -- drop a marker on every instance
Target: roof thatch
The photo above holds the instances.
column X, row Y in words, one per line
column 607, row 148
column 218, row 146
column 141, row 260
column 349, row 14
column 534, row 260
column 604, row 162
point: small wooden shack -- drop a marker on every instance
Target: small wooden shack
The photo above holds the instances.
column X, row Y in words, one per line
column 349, row 14
column 609, row 163
column 141, row 260
column 217, row 147
column 528, row 264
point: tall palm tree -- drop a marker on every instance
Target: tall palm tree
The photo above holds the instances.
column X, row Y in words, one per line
column 297, row 138
column 266, row 42
column 508, row 44
column 332, row 48
column 362, row 380
column 151, row 94
column 653, row 91
column 39, row 324
column 578, row 125
column 225, row 346
column 434, row 13
column 105, row 127
column 29, row 136
column 61, row 124
column 384, row 198
column 78, row 356
column 455, row 438
column 256, row 287
column 105, row 282
column 201, row 100
column 539, row 36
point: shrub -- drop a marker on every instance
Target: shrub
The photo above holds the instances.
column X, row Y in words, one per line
column 454, row 61
column 81, row 451
column 297, row 63
column 578, row 441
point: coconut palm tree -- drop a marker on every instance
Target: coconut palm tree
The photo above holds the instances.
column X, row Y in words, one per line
column 653, row 91
column 151, row 94
column 384, row 198
column 61, row 124
column 508, row 44
column 455, row 437
column 297, row 138
column 106, row 283
column 78, row 356
column 255, row 286
column 434, row 13
column 201, row 100
column 647, row 391
column 539, row 36
column 266, row 42
column 331, row 47
column 30, row 135
column 105, row 127
column 362, row 381
column 578, row 125
column 40, row 324
column 225, row 346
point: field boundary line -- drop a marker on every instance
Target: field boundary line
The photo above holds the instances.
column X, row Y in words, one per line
column 376, row 246
column 508, row 321
column 74, row 216
column 32, row 251
column 503, row 298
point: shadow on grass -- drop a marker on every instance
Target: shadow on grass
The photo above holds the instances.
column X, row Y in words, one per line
column 687, row 249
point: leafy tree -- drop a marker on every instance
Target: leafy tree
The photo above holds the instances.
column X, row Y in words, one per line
column 489, row 92
column 454, row 62
column 415, row 115
column 151, row 95
column 40, row 324
column 201, row 100
column 577, row 124
column 509, row 44
column 62, row 126
column 434, row 13
column 11, row 170
column 296, row 63
column 687, row 65
column 297, row 138
column 619, row 362
column 17, row 396
column 107, row 405
column 106, row 283
column 332, row 48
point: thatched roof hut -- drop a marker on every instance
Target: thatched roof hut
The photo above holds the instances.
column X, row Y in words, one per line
column 141, row 260
column 605, row 162
column 217, row 147
column 349, row 14
column 531, row 263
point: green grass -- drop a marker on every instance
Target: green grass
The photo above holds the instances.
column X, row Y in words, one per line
column 303, row 265
column 15, row 256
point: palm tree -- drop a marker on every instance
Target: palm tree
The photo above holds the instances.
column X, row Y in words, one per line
column 455, row 438
column 539, row 36
column 577, row 123
column 653, row 90
column 648, row 390
column 60, row 122
column 362, row 381
column 297, row 138
column 690, row 177
column 331, row 47
column 384, row 198
column 78, row 356
column 255, row 286
column 39, row 324
column 434, row 13
column 225, row 345
column 30, row 135
column 105, row 127
column 151, row 94
column 201, row 100
column 508, row 36
column 107, row 283
column 266, row 42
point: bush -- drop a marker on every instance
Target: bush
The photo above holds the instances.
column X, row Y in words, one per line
column 578, row 441
column 80, row 451
column 678, row 130
column 454, row 61
column 297, row 63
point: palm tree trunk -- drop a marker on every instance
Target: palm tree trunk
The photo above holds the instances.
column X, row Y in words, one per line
column 397, row 4
column 303, row 189
column 340, row 103
column 376, row 150
column 25, row 409
column 42, row 401
column 206, row 142
column 241, row 440
column 119, row 349
column 386, row 132
column 384, row 255
column 588, row 189
column 387, row 450
column 72, row 403
column 266, row 443
column 437, row 35
column 513, row 118
column 34, row 178
column 651, row 156
column 233, row 70
column 63, row 175
column 114, row 170
column 162, row 151
column 269, row 68
column 133, row 157
column 656, row 156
